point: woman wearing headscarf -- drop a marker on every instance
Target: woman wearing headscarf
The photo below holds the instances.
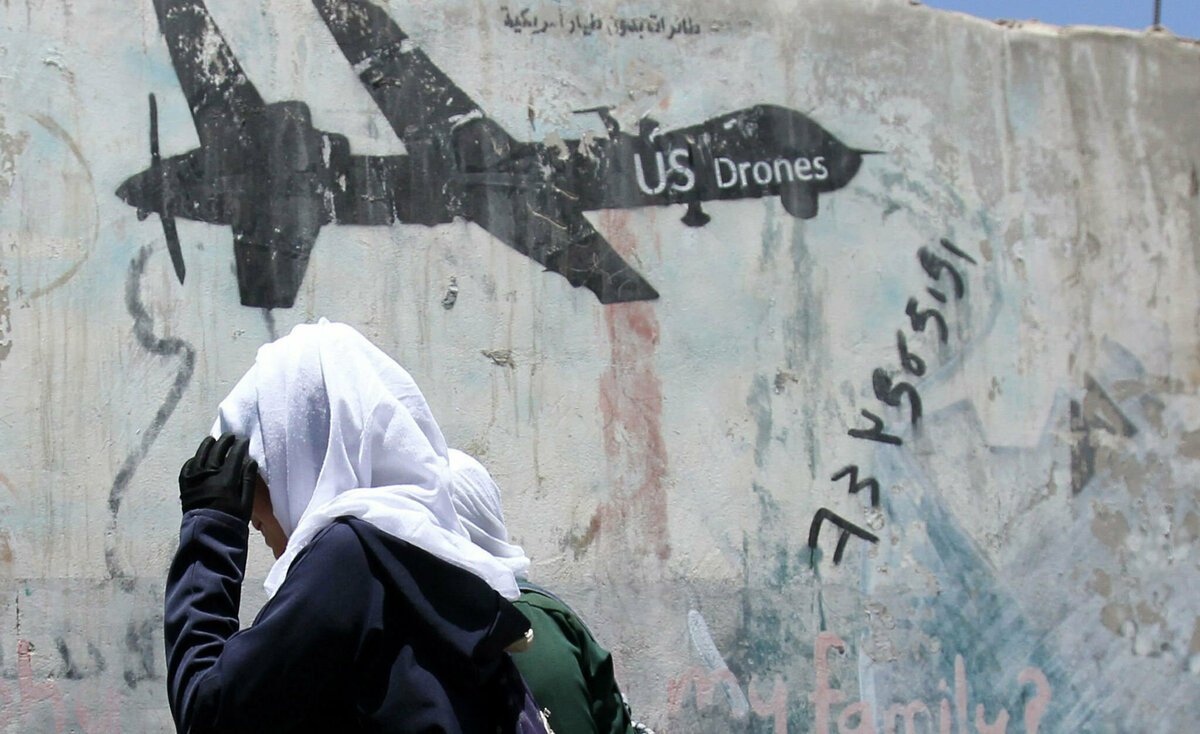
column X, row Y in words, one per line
column 569, row 673
column 382, row 616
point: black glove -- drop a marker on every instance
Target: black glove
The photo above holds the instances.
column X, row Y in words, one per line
column 221, row 476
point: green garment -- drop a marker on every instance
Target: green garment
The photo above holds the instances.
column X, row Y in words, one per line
column 567, row 672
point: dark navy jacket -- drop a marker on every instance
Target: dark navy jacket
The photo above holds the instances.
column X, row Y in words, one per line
column 366, row 634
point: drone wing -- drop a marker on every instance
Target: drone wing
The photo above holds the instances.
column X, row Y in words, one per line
column 272, row 256
column 219, row 94
column 417, row 99
column 421, row 102
column 562, row 240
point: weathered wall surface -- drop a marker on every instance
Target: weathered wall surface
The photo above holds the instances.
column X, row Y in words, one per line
column 1030, row 563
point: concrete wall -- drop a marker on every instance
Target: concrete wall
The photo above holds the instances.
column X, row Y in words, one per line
column 1034, row 562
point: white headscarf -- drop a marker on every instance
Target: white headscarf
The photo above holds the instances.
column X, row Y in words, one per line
column 477, row 500
column 340, row 430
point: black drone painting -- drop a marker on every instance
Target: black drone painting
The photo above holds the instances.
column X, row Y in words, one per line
column 264, row 170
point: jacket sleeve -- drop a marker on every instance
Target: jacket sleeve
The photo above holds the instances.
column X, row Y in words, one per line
column 267, row 677
column 608, row 706
column 569, row 672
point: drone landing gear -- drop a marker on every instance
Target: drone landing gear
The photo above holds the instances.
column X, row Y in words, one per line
column 695, row 216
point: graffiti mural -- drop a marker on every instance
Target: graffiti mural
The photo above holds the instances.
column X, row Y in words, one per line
column 950, row 712
column 895, row 394
column 266, row 172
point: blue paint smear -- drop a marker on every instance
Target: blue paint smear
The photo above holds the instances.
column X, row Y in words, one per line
column 759, row 403
column 972, row 616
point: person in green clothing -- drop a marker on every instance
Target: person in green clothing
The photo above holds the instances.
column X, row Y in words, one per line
column 567, row 671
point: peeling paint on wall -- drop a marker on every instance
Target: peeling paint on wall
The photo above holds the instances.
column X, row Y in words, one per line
column 5, row 316
column 11, row 147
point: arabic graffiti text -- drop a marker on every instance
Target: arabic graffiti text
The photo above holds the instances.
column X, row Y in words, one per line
column 556, row 20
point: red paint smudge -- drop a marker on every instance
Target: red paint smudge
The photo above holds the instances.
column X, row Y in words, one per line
column 701, row 680
column 631, row 405
column 34, row 691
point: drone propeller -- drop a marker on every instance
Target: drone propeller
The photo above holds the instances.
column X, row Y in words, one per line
column 168, row 222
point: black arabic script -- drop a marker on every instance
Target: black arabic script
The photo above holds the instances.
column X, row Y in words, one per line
column 526, row 20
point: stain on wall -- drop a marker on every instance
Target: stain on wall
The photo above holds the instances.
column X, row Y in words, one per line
column 11, row 147
column 631, row 405
column 5, row 316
